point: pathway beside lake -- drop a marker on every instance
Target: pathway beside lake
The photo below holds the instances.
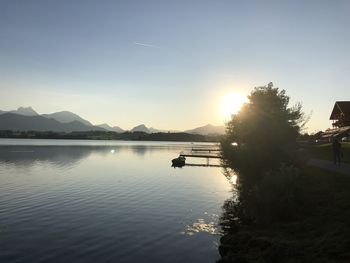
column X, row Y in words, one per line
column 343, row 168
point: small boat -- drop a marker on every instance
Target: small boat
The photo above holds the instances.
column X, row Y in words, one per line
column 178, row 162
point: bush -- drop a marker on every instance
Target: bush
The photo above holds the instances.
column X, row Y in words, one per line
column 277, row 196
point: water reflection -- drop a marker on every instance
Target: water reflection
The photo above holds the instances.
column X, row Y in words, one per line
column 80, row 203
column 201, row 226
column 141, row 149
column 60, row 156
column 230, row 175
column 64, row 156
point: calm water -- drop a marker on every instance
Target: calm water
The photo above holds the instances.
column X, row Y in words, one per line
column 106, row 201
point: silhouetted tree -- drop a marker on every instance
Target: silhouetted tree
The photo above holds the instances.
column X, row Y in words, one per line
column 263, row 133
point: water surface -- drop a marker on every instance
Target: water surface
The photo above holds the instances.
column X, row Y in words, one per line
column 106, row 201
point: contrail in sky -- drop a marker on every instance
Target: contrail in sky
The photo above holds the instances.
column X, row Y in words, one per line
column 145, row 45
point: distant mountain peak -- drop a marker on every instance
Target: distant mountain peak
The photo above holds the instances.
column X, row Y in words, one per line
column 25, row 108
column 26, row 111
column 141, row 128
column 110, row 128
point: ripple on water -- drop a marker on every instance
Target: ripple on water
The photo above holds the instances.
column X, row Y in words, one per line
column 97, row 204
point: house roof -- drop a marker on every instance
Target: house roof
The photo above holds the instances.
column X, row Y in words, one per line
column 340, row 107
column 336, row 131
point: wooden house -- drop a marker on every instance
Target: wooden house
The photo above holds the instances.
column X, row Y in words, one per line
column 341, row 114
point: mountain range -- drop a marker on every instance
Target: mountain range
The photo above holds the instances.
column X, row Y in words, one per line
column 207, row 130
column 17, row 122
column 110, row 128
column 26, row 119
column 66, row 117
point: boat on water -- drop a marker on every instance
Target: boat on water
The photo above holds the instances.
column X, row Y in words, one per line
column 179, row 161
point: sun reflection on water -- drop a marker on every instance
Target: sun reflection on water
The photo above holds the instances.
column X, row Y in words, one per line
column 201, row 226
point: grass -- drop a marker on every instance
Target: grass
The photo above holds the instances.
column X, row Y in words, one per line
column 320, row 231
column 324, row 151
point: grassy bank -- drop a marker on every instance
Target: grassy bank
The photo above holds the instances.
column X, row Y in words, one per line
column 319, row 230
column 324, row 151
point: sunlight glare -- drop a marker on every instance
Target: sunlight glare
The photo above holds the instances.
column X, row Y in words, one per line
column 231, row 104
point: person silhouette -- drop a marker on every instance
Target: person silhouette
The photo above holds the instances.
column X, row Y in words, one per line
column 336, row 151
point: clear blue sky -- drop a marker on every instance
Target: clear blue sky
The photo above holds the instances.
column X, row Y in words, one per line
column 168, row 63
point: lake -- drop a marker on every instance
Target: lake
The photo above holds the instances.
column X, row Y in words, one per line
column 107, row 201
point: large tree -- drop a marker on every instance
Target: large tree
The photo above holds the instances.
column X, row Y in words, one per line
column 263, row 133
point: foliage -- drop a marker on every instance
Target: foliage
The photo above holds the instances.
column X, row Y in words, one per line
column 280, row 213
column 278, row 195
column 275, row 198
column 318, row 231
column 265, row 131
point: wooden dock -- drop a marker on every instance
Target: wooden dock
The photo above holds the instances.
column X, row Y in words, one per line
column 205, row 152
column 200, row 155
column 204, row 165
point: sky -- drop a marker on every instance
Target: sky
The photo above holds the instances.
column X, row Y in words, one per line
column 168, row 64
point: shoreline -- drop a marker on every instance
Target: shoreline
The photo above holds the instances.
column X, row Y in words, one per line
column 316, row 228
column 98, row 135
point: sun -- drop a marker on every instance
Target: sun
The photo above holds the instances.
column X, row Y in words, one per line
column 231, row 104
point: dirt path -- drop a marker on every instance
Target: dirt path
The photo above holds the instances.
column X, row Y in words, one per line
column 343, row 168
